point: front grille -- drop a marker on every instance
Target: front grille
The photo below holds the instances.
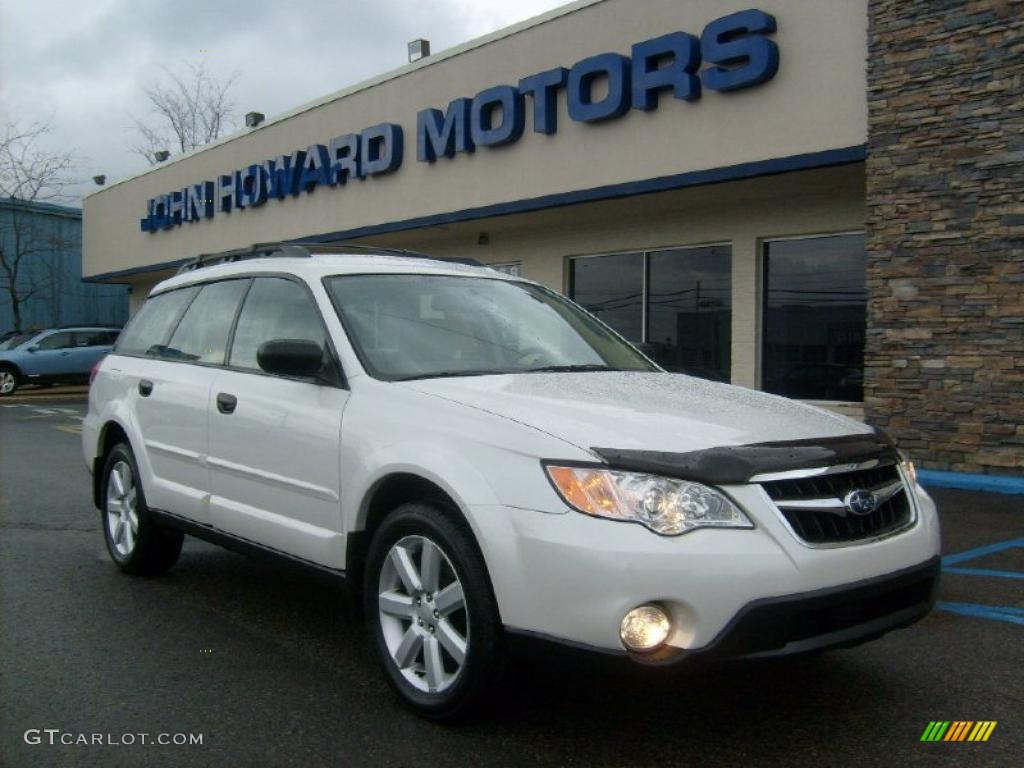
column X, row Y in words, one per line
column 814, row 510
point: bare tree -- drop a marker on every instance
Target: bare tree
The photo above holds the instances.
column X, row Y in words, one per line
column 29, row 173
column 190, row 109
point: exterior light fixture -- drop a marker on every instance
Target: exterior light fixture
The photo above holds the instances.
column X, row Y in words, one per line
column 419, row 49
column 252, row 119
column 100, row 180
column 645, row 628
column 160, row 155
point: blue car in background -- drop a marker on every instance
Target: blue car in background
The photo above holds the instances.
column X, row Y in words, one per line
column 53, row 356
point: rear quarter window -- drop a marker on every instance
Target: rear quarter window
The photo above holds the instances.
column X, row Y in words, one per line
column 154, row 322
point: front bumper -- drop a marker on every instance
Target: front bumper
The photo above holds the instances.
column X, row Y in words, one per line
column 571, row 578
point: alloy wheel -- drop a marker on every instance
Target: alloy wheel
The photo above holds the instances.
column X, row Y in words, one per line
column 423, row 615
column 8, row 383
column 122, row 513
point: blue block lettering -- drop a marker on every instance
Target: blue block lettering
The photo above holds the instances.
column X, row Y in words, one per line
column 612, row 66
column 445, row 134
column 252, row 185
column 344, row 154
column 483, row 130
column 316, row 168
column 198, row 201
column 381, row 148
column 543, row 88
column 651, row 73
column 282, row 174
column 737, row 45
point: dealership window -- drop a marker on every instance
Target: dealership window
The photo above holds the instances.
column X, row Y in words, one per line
column 815, row 315
column 676, row 304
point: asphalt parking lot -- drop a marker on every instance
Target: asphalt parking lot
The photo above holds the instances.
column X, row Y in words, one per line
column 272, row 670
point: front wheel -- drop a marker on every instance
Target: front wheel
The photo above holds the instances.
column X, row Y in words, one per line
column 430, row 613
column 135, row 542
column 8, row 382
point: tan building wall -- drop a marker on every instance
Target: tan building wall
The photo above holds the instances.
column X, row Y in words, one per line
column 815, row 103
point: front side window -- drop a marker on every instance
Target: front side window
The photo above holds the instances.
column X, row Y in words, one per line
column 275, row 309
column 154, row 321
column 61, row 340
column 202, row 334
column 423, row 326
column 815, row 316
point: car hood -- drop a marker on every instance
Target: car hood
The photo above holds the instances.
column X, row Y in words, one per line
column 641, row 411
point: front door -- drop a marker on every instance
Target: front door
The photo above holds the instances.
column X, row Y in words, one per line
column 275, row 441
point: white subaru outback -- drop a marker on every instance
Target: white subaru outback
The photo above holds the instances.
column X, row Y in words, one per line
column 482, row 460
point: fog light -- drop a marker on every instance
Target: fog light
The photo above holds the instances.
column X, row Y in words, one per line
column 645, row 628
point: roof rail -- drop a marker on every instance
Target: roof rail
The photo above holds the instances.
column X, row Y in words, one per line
column 306, row 250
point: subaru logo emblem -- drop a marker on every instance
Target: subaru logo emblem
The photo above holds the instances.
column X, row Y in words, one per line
column 861, row 502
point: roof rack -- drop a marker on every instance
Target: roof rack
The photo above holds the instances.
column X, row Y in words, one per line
column 307, row 250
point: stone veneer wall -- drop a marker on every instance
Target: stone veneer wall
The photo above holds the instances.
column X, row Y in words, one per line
column 945, row 219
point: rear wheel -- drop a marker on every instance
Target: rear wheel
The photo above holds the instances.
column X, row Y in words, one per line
column 134, row 540
column 430, row 613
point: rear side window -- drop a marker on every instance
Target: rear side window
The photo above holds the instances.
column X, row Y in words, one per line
column 274, row 309
column 96, row 338
column 153, row 323
column 202, row 334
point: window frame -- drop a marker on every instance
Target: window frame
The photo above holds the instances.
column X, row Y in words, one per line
column 646, row 252
column 334, row 378
column 763, row 274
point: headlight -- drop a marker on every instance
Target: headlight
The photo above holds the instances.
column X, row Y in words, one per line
column 666, row 506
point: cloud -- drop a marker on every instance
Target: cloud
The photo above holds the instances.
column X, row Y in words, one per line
column 86, row 64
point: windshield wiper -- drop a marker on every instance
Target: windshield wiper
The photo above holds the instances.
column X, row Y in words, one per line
column 569, row 368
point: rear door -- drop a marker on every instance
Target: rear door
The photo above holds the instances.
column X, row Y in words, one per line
column 275, row 441
column 90, row 345
column 173, row 395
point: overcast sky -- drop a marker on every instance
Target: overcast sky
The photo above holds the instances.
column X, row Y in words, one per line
column 85, row 63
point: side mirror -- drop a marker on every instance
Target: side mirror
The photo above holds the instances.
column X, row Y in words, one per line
column 290, row 357
column 33, row 348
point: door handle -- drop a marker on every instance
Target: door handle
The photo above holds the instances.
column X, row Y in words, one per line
column 226, row 403
column 145, row 387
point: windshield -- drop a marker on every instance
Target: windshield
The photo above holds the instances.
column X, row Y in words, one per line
column 15, row 341
column 426, row 326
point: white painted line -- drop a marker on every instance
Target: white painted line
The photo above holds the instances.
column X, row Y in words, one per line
column 45, row 411
column 69, row 411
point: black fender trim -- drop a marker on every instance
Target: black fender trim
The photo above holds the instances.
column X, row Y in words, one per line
column 246, row 546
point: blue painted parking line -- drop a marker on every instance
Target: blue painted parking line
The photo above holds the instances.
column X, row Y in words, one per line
column 971, row 554
column 985, row 572
column 994, row 612
column 952, row 564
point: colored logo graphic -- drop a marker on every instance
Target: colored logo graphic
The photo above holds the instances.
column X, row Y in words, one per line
column 958, row 730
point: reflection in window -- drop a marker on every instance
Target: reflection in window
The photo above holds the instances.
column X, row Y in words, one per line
column 612, row 288
column 202, row 334
column 689, row 310
column 815, row 315
column 275, row 309
column 687, row 304
column 152, row 324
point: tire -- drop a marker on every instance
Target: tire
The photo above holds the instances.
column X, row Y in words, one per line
column 419, row 644
column 136, row 543
column 9, row 381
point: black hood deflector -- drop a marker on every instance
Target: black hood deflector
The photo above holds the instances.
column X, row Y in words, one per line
column 737, row 464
